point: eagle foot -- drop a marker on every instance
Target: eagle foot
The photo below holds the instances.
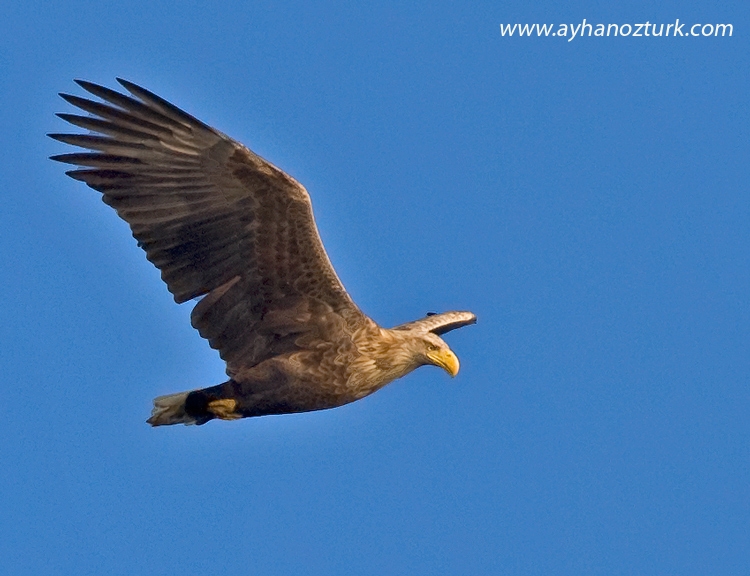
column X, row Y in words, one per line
column 224, row 409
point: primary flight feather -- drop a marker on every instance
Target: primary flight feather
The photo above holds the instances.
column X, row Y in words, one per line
column 223, row 224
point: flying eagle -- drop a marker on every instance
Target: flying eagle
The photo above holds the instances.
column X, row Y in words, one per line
column 225, row 225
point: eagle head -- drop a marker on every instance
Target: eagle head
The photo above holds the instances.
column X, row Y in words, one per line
column 434, row 350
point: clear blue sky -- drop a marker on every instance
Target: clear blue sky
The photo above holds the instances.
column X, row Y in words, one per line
column 587, row 199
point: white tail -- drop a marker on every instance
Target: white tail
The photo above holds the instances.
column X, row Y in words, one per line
column 170, row 409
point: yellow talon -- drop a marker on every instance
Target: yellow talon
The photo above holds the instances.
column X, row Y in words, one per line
column 224, row 409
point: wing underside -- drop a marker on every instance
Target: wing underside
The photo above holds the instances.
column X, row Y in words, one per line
column 215, row 218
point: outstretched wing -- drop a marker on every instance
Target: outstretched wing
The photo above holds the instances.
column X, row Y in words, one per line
column 217, row 220
column 440, row 323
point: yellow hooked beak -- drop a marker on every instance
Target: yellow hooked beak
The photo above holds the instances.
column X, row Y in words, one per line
column 445, row 359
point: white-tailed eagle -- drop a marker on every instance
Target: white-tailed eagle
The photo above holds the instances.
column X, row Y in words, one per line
column 223, row 224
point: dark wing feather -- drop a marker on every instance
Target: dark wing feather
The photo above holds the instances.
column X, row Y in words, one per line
column 440, row 323
column 215, row 218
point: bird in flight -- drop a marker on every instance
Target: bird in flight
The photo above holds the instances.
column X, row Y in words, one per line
column 224, row 225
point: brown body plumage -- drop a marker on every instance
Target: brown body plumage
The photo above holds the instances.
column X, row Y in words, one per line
column 223, row 224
